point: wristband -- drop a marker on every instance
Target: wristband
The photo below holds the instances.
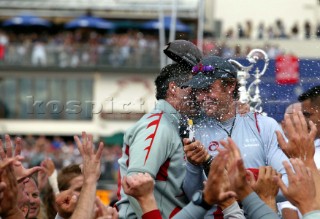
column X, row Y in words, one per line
column 53, row 181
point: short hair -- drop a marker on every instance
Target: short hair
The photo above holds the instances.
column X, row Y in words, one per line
column 33, row 177
column 312, row 94
column 225, row 82
column 66, row 174
column 177, row 73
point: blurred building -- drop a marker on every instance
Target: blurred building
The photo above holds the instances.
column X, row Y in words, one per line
column 59, row 84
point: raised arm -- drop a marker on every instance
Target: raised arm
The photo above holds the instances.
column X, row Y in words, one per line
column 300, row 142
column 20, row 172
column 91, row 174
column 253, row 206
column 301, row 190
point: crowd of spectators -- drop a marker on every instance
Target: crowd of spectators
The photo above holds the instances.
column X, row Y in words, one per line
column 65, row 185
column 278, row 30
column 132, row 48
column 63, row 152
column 78, row 48
column 225, row 50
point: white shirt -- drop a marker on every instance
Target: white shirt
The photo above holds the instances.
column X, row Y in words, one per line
column 287, row 204
column 317, row 153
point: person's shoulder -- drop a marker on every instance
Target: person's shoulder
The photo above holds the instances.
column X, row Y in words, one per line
column 152, row 120
column 267, row 124
column 260, row 117
column 266, row 119
column 262, row 121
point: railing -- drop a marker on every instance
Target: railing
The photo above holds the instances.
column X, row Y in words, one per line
column 79, row 55
column 134, row 55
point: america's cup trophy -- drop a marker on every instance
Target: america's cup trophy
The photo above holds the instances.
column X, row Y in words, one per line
column 251, row 94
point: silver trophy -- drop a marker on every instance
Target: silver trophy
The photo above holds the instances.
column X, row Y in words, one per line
column 251, row 95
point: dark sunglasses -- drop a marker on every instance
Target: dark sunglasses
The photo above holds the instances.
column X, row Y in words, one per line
column 206, row 69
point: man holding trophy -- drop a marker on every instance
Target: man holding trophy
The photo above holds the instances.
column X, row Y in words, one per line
column 216, row 89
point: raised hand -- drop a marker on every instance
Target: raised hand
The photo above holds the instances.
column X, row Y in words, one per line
column 91, row 173
column 195, row 152
column 48, row 169
column 3, row 168
column 66, row 203
column 236, row 170
column 48, row 165
column 300, row 139
column 217, row 187
column 105, row 212
column 301, row 190
column 91, row 160
column 10, row 194
column 20, row 172
column 265, row 186
column 9, row 203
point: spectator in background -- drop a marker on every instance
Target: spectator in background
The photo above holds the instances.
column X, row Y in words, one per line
column 240, row 30
column 39, row 55
column 310, row 102
column 280, row 29
column 69, row 178
column 227, row 51
column 270, row 31
column 295, row 31
column 248, row 29
column 237, row 51
column 230, row 34
column 261, row 31
column 307, row 30
column 40, row 148
column 287, row 210
column 3, row 44
column 318, row 31
column 31, row 188
column 300, row 144
column 273, row 51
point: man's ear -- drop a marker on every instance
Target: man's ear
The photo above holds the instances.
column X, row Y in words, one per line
column 234, row 86
column 172, row 88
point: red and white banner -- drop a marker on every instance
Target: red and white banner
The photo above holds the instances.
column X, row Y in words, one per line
column 287, row 69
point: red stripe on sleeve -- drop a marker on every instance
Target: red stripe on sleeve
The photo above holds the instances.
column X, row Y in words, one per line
column 162, row 175
column 119, row 185
column 152, row 135
column 174, row 212
column 257, row 125
column 154, row 214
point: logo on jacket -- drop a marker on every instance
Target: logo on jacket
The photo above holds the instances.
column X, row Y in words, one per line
column 213, row 146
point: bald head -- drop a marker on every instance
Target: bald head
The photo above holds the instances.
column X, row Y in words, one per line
column 293, row 107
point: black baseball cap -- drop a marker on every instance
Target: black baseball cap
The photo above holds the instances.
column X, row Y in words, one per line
column 210, row 69
column 312, row 92
column 183, row 52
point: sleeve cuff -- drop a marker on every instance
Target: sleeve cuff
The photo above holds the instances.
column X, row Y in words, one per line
column 194, row 168
column 250, row 198
column 231, row 208
column 311, row 214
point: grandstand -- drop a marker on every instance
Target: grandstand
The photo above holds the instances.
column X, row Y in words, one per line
column 56, row 82
column 86, row 78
